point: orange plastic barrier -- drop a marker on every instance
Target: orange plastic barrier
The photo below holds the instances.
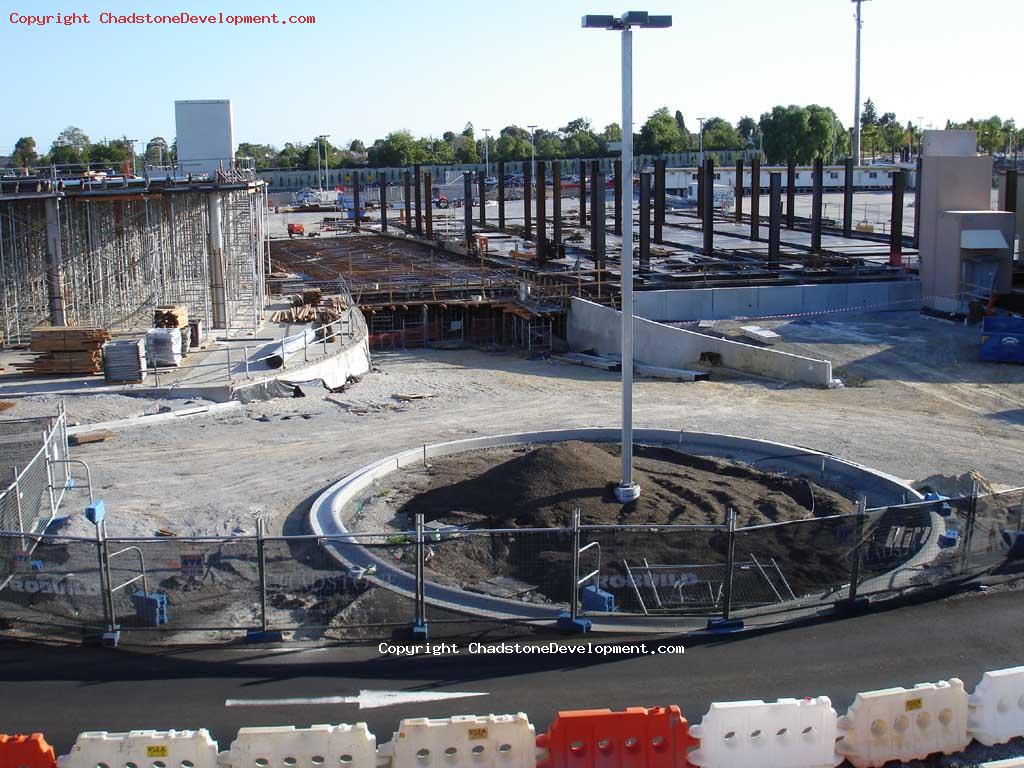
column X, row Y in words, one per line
column 20, row 751
column 599, row 738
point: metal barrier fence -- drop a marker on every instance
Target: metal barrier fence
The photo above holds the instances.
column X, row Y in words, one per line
column 362, row 584
column 34, row 454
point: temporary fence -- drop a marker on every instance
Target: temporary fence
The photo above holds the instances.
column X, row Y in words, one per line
column 892, row 724
column 687, row 577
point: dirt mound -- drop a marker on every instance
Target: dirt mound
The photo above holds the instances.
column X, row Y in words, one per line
column 954, row 486
column 541, row 487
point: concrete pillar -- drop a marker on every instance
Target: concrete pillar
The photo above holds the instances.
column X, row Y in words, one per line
column 407, row 178
column 419, row 200
column 645, row 221
column 708, row 206
column 382, row 181
column 527, row 193
column 556, row 207
column 774, row 219
column 918, row 181
column 899, row 187
column 617, row 223
column 501, row 196
column 542, row 214
column 1010, row 196
column 848, row 177
column 755, row 199
column 791, row 194
column 215, row 253
column 739, row 191
column 356, row 197
column 55, row 265
column 659, row 200
column 467, row 206
column 583, row 192
column 428, row 198
column 482, row 197
column 597, row 214
column 700, row 192
column 816, row 200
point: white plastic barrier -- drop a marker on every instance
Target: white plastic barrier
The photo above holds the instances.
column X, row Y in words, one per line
column 333, row 746
column 997, row 707
column 790, row 733
column 465, row 741
column 901, row 724
column 142, row 749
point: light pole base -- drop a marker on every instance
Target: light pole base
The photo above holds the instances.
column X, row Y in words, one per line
column 627, row 493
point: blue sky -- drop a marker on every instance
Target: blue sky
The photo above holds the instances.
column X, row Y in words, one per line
column 372, row 66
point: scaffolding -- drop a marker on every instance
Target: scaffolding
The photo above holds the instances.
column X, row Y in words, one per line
column 91, row 254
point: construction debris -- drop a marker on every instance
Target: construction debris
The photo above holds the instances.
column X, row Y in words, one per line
column 591, row 361
column 96, row 436
column 413, row 396
column 763, row 335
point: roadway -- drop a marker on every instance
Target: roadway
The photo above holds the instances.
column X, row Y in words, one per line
column 62, row 690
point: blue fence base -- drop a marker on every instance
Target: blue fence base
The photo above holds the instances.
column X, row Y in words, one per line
column 566, row 623
column 420, row 632
column 264, row 636
column 724, row 626
column 111, row 639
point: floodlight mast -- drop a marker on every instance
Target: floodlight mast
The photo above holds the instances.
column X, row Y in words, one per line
column 627, row 490
column 856, row 90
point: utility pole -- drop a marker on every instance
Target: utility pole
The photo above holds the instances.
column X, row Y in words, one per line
column 856, row 91
column 327, row 160
column 533, row 148
column 487, row 153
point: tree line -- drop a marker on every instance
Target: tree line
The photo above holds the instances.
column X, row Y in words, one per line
column 801, row 133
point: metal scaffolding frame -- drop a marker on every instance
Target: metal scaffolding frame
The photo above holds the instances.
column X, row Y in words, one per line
column 122, row 252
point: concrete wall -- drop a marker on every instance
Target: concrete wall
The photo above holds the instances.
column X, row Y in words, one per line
column 685, row 305
column 598, row 328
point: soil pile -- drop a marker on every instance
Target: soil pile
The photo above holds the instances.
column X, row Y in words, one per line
column 541, row 488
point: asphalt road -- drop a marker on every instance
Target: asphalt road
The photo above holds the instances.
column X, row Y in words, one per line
column 64, row 690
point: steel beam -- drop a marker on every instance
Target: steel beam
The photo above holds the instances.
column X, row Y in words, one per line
column 774, row 219
column 791, row 194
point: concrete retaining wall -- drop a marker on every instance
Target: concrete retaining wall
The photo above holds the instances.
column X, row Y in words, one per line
column 773, row 300
column 598, row 328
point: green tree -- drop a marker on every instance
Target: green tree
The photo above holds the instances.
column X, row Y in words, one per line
column 869, row 114
column 158, row 153
column 65, row 155
column 683, row 132
column 660, row 135
column 357, row 146
column 263, row 155
column 612, row 132
column 513, row 144
column 72, row 137
column 397, row 149
column 719, row 134
column 25, row 153
column 991, row 137
column 747, row 129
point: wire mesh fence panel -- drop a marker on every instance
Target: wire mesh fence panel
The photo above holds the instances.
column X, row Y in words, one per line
column 807, row 560
column 340, row 586
column 530, row 566
column 189, row 584
column 654, row 570
column 912, row 546
column 50, row 582
column 992, row 535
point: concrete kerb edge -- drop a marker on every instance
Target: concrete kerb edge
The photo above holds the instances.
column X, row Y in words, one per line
column 325, row 512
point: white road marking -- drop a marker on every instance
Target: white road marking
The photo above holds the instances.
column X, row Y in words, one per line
column 365, row 699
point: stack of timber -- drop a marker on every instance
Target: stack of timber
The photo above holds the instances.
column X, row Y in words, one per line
column 325, row 309
column 171, row 316
column 66, row 350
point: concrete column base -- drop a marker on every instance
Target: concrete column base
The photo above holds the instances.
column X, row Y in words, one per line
column 627, row 493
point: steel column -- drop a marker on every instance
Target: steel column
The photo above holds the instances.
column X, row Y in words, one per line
column 428, row 197
column 556, row 208
column 899, row 187
column 355, row 198
column 542, row 214
column 755, row 199
column 739, row 191
column 481, row 189
column 501, row 195
column 645, row 221
column 382, row 181
column 597, row 214
column 700, row 192
column 659, row 199
column 419, row 200
column 816, row 200
column 791, row 194
column 707, row 205
column 583, row 192
column 467, row 206
column 617, row 223
column 527, row 193
column 407, row 178
column 918, row 181
column 848, row 177
column 774, row 219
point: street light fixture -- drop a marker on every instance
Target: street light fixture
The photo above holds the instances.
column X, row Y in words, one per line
column 856, row 90
column 627, row 490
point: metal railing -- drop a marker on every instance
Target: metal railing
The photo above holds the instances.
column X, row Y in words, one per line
column 358, row 584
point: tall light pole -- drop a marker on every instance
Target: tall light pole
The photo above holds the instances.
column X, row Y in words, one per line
column 487, row 153
column 700, row 139
column 327, row 162
column 533, row 147
column 856, row 91
column 627, row 490
column 920, row 134
column 319, row 177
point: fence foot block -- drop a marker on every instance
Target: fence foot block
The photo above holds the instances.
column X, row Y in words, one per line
column 420, row 632
column 111, row 639
column 264, row 636
column 724, row 626
column 566, row 623
column 853, row 607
